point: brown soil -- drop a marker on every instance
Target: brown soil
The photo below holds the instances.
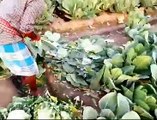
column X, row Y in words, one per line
column 105, row 19
column 114, row 31
column 65, row 91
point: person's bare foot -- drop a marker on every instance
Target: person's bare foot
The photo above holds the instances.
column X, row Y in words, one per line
column 7, row 91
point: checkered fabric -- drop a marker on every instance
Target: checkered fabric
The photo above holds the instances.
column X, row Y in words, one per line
column 18, row 59
column 22, row 15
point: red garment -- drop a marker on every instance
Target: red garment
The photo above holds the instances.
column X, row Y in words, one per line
column 22, row 15
column 17, row 21
column 33, row 36
column 6, row 26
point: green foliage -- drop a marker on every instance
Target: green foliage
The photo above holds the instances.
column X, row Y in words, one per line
column 137, row 103
column 138, row 27
column 106, row 4
column 39, row 108
column 4, row 72
column 47, row 16
column 149, row 3
column 145, row 100
column 3, row 113
column 113, row 106
column 84, row 9
column 142, row 62
column 80, row 65
column 108, row 101
column 125, row 5
column 91, row 61
column 77, row 9
column 90, row 113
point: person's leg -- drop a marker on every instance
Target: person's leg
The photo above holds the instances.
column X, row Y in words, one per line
column 31, row 82
column 21, row 82
column 20, row 62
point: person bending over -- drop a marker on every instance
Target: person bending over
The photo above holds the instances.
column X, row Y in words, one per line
column 17, row 19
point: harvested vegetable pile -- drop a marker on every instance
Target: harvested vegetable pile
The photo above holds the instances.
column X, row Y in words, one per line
column 47, row 107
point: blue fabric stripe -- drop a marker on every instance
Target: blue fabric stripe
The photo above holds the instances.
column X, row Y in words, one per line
column 21, row 45
column 8, row 48
column 29, row 61
column 16, row 47
column 21, row 63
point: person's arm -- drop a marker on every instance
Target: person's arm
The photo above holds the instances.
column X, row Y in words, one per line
column 34, row 9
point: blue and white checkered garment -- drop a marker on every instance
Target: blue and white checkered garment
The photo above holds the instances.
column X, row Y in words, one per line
column 18, row 59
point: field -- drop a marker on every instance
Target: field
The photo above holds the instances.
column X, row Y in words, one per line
column 97, row 60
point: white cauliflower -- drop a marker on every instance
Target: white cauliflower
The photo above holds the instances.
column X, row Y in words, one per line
column 18, row 114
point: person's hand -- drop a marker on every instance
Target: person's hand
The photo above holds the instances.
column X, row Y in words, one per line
column 33, row 36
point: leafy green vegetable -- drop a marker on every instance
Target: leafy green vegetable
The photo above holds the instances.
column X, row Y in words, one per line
column 85, row 9
column 39, row 108
column 90, row 113
column 108, row 101
column 47, row 16
column 117, row 60
column 155, row 113
column 79, row 8
column 139, row 48
column 107, row 113
column 128, row 93
column 131, row 115
column 150, row 3
column 3, row 113
column 131, row 54
column 153, row 71
column 116, row 72
column 143, row 113
column 98, row 64
column 123, row 105
column 113, row 106
column 95, row 83
column 117, row 106
column 144, row 98
column 142, row 62
column 151, row 101
column 93, row 63
column 125, row 5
